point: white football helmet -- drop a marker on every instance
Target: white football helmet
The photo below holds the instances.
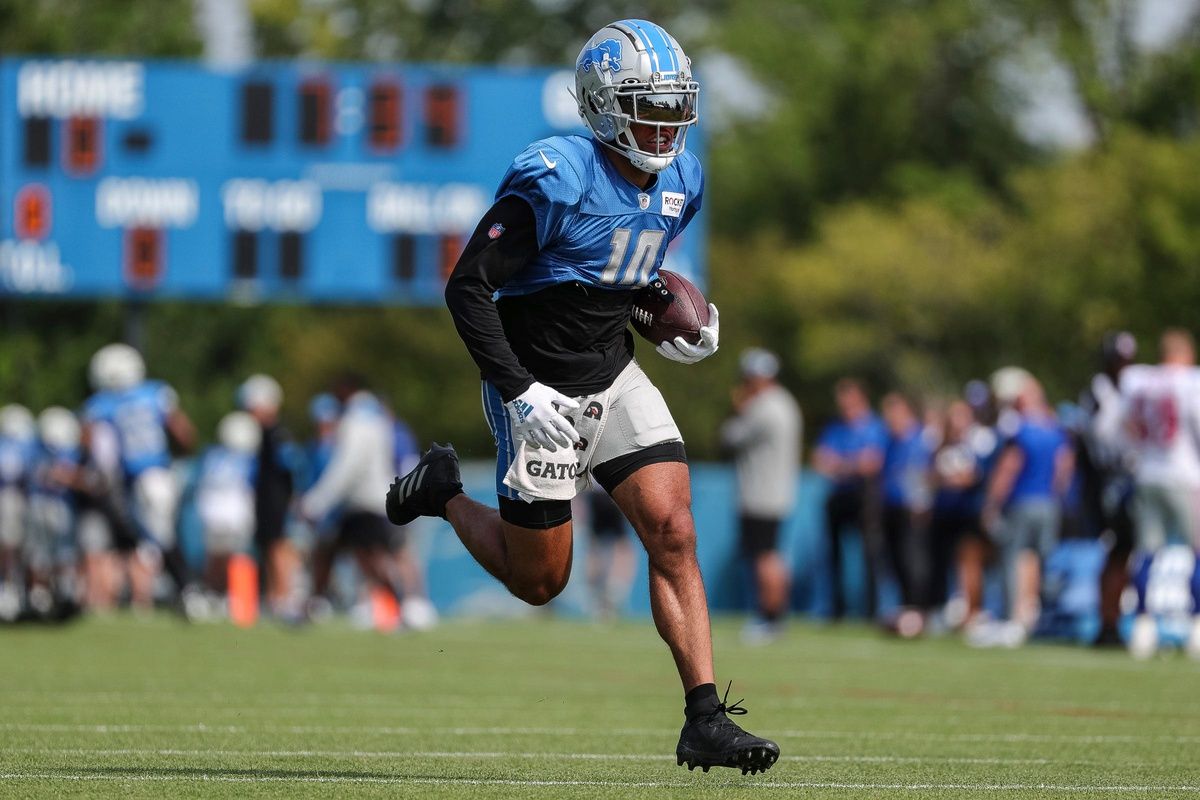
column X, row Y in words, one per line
column 16, row 422
column 58, row 428
column 261, row 392
column 240, row 432
column 116, row 367
column 634, row 72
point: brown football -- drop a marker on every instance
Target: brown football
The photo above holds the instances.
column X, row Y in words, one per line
column 669, row 306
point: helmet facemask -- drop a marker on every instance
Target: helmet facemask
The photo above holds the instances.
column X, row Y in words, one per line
column 668, row 110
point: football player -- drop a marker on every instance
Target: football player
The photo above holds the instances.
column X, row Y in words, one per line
column 225, row 499
column 18, row 445
column 143, row 414
column 50, row 546
column 1161, row 418
column 579, row 225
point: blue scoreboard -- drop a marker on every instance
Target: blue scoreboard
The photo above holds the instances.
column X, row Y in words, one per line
column 283, row 182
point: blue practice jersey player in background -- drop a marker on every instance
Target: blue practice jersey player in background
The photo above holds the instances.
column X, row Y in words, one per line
column 145, row 418
column 541, row 297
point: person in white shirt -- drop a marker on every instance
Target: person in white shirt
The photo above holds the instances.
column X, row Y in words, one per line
column 1161, row 420
column 359, row 472
column 764, row 435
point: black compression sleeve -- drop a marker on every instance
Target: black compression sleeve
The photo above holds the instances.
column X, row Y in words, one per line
column 486, row 264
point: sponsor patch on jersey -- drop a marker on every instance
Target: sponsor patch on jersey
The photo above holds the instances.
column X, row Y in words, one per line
column 495, row 231
column 672, row 204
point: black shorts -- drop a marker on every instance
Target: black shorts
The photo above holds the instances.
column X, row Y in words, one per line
column 758, row 534
column 948, row 528
column 369, row 531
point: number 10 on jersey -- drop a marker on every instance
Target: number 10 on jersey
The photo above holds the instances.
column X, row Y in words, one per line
column 645, row 256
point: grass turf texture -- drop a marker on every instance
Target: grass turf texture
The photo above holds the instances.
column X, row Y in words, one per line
column 548, row 709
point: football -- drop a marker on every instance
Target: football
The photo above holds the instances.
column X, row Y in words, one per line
column 669, row 306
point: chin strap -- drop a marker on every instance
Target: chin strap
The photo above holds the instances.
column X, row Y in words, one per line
column 649, row 163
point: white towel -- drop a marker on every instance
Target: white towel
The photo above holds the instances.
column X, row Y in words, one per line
column 538, row 474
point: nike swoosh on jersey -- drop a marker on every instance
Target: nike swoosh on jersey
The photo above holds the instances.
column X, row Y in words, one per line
column 549, row 164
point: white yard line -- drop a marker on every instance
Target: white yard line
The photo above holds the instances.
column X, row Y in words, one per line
column 449, row 754
column 200, row 727
column 211, row 777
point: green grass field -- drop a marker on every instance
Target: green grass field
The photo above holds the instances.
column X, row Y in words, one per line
column 548, row 709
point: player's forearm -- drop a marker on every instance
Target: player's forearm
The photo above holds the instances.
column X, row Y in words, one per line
column 478, row 325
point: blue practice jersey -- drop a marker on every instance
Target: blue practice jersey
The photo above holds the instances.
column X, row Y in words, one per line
column 594, row 226
column 139, row 417
column 222, row 468
column 16, row 456
column 48, row 459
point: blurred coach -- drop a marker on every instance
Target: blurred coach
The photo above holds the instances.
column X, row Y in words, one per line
column 764, row 435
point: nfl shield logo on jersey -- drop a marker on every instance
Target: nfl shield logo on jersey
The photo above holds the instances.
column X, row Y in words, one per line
column 643, row 201
column 495, row 231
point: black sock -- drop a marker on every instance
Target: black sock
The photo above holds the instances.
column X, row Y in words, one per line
column 446, row 494
column 701, row 700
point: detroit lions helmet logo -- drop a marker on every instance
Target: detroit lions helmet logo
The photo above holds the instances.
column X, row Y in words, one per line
column 606, row 56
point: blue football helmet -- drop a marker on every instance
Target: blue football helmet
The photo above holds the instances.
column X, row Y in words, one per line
column 634, row 72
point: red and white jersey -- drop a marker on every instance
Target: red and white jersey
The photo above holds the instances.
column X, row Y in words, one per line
column 1162, row 422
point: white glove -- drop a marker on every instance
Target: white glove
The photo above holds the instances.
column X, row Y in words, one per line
column 685, row 352
column 537, row 422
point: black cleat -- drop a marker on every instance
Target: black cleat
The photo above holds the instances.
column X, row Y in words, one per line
column 425, row 490
column 714, row 740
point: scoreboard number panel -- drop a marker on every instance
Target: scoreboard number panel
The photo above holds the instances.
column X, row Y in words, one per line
column 283, row 182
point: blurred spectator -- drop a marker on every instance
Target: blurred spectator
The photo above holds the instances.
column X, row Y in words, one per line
column 906, row 498
column 764, row 435
column 225, row 499
column 274, row 484
column 144, row 418
column 610, row 560
column 17, row 447
column 1023, row 506
column 1107, row 482
column 960, row 466
column 850, row 454
column 1162, row 422
column 356, row 481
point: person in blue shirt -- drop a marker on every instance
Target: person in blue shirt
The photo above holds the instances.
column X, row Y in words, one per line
column 1022, row 510
column 850, row 454
column 906, row 497
column 961, row 465
column 541, row 297
column 145, row 417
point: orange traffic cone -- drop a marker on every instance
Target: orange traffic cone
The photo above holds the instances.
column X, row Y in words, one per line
column 385, row 611
column 243, row 590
